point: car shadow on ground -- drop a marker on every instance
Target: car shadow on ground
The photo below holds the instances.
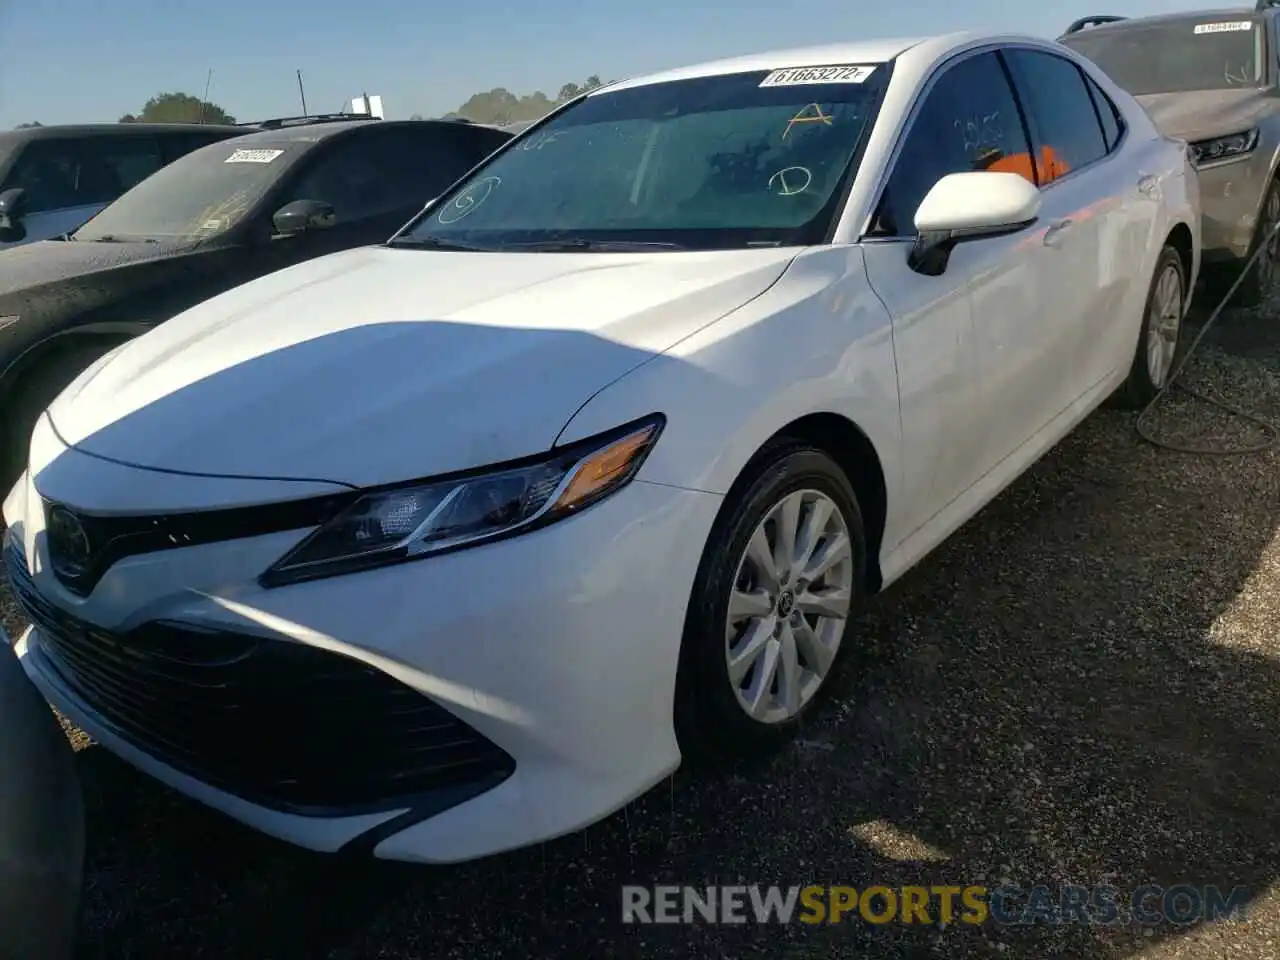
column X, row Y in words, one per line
column 1051, row 698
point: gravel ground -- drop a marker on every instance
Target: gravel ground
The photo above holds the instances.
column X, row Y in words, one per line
column 1081, row 686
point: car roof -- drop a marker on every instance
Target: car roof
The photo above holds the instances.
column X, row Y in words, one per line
column 1210, row 15
column 8, row 137
column 866, row 51
column 315, row 132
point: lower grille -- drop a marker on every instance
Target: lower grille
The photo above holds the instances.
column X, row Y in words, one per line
column 281, row 724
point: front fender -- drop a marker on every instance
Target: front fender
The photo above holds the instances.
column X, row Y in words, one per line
column 818, row 341
column 27, row 346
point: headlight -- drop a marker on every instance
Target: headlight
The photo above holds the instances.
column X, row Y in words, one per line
column 432, row 517
column 1224, row 148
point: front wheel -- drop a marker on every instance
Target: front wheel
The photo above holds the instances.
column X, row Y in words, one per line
column 1153, row 362
column 770, row 613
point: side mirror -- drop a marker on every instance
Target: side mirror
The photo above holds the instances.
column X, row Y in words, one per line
column 299, row 216
column 969, row 206
column 13, row 206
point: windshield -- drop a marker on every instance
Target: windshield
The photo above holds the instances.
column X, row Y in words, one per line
column 198, row 196
column 708, row 163
column 1177, row 56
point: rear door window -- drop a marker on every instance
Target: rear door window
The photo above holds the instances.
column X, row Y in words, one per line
column 1065, row 128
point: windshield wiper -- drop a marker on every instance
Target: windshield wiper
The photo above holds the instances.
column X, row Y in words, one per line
column 583, row 245
column 432, row 243
column 112, row 238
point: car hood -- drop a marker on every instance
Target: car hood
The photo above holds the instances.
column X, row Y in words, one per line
column 1201, row 114
column 378, row 365
column 32, row 266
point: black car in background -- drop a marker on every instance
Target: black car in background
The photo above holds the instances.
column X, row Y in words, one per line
column 52, row 179
column 223, row 215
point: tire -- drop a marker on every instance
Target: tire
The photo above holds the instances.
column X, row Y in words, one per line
column 38, row 387
column 1149, row 374
column 711, row 715
column 1260, row 282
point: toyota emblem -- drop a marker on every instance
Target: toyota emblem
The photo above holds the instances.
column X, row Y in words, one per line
column 69, row 547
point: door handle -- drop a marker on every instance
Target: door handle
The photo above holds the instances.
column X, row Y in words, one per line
column 1053, row 236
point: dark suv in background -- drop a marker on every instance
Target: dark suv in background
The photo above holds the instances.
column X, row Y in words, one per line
column 298, row 188
column 52, row 179
column 1212, row 78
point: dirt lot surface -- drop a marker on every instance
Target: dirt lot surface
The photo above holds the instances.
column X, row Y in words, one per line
column 1082, row 686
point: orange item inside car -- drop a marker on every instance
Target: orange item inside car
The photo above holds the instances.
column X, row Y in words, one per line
column 1051, row 165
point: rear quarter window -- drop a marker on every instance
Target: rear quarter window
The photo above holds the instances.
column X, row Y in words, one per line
column 1108, row 114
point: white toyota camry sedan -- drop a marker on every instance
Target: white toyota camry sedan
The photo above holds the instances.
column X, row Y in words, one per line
column 448, row 546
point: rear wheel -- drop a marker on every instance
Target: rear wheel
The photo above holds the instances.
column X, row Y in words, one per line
column 1161, row 336
column 1260, row 281
column 37, row 387
column 770, row 614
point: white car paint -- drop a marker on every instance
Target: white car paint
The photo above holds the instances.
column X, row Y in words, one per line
column 380, row 365
column 574, row 337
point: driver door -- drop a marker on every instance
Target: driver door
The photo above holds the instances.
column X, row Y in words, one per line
column 966, row 120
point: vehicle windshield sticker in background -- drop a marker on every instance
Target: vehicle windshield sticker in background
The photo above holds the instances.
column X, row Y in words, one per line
column 470, row 198
column 1227, row 27
column 253, row 156
column 810, row 114
column 802, row 76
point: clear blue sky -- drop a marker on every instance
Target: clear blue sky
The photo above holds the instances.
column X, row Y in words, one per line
column 83, row 60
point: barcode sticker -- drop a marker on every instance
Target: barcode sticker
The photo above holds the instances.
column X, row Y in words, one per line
column 1226, row 26
column 805, row 76
column 253, row 156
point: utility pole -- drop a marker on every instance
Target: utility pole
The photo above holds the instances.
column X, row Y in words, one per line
column 302, row 94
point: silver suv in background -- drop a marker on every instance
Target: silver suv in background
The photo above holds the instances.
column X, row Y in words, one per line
column 1212, row 78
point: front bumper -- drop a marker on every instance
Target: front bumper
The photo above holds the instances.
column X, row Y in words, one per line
column 1230, row 198
column 558, row 649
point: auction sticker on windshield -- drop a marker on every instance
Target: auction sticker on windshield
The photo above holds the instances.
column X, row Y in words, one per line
column 253, row 156
column 803, row 76
column 1230, row 26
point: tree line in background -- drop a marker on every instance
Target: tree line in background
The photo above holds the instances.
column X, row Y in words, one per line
column 498, row 105
column 179, row 108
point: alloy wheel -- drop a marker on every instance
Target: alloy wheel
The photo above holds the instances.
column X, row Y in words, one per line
column 1164, row 326
column 791, row 597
